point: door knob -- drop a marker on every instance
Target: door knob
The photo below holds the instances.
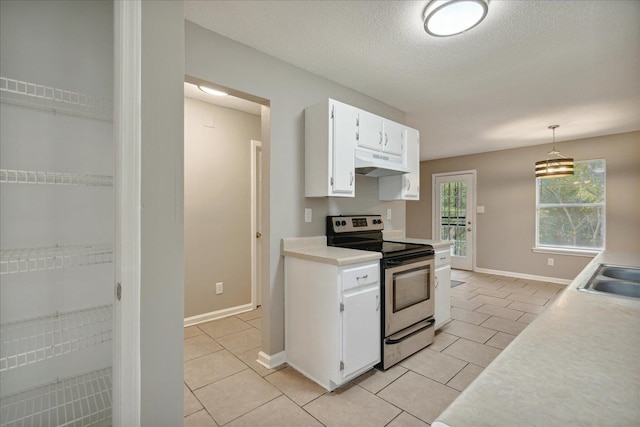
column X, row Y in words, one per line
column 258, row 235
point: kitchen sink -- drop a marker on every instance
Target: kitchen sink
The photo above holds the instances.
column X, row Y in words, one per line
column 614, row 280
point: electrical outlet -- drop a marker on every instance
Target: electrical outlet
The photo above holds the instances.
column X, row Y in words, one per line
column 219, row 288
column 550, row 261
column 388, row 213
column 307, row 214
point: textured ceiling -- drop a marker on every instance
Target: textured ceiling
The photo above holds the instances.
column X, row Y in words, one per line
column 528, row 65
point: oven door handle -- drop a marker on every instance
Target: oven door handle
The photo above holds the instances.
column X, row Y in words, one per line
column 430, row 323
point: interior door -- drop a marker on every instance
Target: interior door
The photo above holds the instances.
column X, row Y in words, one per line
column 454, row 219
column 256, row 221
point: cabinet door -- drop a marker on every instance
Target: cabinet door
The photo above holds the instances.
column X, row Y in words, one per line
column 393, row 138
column 344, row 139
column 443, row 296
column 360, row 329
column 411, row 189
column 370, row 131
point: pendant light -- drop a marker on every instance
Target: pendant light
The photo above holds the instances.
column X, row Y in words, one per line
column 443, row 18
column 551, row 168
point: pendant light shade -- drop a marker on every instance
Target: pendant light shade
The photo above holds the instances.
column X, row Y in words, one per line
column 552, row 168
column 443, row 18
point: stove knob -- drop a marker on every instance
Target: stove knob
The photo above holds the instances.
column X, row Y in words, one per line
column 343, row 223
column 337, row 223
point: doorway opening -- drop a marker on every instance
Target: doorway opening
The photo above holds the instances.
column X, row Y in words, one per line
column 454, row 215
column 223, row 201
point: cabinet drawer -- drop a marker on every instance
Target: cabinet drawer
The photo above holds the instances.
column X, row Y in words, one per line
column 443, row 258
column 360, row 276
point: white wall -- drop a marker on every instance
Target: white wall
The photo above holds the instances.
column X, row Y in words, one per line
column 162, row 237
column 217, row 203
column 214, row 58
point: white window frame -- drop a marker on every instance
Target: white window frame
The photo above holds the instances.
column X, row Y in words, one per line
column 561, row 250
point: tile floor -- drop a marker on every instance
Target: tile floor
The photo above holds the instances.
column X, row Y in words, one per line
column 225, row 386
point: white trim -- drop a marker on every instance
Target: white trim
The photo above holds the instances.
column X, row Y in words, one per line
column 254, row 225
column 127, row 130
column 523, row 276
column 271, row 361
column 213, row 315
column 569, row 252
column 471, row 211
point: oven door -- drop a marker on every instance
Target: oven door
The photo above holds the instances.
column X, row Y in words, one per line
column 409, row 289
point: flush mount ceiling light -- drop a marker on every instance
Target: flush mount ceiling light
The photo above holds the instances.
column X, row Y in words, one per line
column 212, row 91
column 443, row 18
column 551, row 168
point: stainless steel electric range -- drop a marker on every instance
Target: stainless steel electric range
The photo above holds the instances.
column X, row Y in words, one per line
column 407, row 281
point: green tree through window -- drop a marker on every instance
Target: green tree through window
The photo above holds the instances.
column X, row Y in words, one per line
column 570, row 210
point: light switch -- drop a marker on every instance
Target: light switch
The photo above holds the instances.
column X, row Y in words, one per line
column 307, row 214
column 480, row 209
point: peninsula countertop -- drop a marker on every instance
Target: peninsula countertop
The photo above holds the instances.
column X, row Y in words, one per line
column 575, row 365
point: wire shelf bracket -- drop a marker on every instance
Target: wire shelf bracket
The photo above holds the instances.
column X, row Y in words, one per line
column 34, row 340
column 49, row 99
column 54, row 257
column 82, row 400
column 8, row 176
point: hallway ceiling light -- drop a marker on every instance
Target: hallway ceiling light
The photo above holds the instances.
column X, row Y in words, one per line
column 443, row 18
column 551, row 168
column 212, row 91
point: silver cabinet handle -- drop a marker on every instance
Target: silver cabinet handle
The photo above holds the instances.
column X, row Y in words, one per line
column 380, row 142
column 351, row 181
column 408, row 184
column 377, row 302
column 437, row 281
column 357, row 136
column 366, row 276
column 386, row 139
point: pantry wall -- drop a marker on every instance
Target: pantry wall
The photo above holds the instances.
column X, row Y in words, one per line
column 57, row 204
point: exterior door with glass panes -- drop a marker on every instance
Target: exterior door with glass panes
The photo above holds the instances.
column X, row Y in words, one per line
column 454, row 196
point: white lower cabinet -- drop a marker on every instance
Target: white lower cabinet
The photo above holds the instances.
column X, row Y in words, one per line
column 443, row 286
column 332, row 319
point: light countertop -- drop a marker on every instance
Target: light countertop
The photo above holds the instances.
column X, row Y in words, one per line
column 316, row 249
column 575, row 365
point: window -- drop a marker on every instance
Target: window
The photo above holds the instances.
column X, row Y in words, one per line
column 570, row 210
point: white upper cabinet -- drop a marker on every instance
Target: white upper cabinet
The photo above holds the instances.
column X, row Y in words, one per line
column 406, row 186
column 379, row 134
column 330, row 139
column 393, row 133
column 335, row 131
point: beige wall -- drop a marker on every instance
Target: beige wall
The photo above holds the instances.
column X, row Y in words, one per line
column 505, row 233
column 217, row 202
column 217, row 59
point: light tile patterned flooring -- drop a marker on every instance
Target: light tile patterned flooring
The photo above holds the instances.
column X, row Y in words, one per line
column 225, row 386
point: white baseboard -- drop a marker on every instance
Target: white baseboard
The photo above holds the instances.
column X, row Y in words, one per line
column 271, row 361
column 213, row 315
column 523, row 276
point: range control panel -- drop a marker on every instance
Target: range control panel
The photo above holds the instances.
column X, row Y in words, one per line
column 351, row 223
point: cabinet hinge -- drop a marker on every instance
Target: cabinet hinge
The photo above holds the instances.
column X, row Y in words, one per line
column 341, row 307
column 331, row 180
column 341, row 365
column 332, row 108
column 118, row 291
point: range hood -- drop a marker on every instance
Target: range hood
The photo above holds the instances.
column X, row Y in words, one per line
column 374, row 164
